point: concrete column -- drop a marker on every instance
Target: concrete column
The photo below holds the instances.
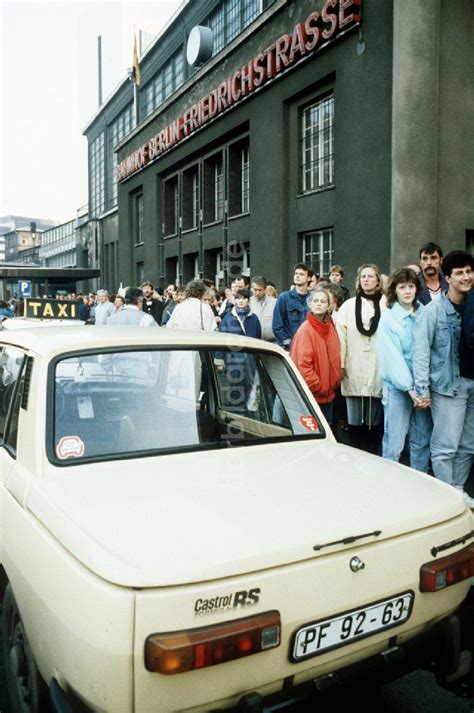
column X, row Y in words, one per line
column 415, row 122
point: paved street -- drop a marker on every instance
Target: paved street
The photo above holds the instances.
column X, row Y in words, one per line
column 415, row 693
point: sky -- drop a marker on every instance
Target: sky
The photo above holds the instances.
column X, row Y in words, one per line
column 49, row 92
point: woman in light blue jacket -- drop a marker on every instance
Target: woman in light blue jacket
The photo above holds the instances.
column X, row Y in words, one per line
column 404, row 413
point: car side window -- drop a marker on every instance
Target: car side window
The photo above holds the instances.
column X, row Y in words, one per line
column 11, row 363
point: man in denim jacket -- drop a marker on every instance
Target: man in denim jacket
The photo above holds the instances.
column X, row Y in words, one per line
column 444, row 374
column 291, row 308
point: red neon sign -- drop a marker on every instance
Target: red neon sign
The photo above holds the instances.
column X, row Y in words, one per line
column 319, row 29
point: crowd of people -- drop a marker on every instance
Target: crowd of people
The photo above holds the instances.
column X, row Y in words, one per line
column 401, row 350
column 391, row 368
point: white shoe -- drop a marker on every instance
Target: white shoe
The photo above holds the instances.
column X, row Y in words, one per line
column 468, row 499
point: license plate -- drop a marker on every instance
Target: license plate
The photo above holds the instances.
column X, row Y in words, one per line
column 321, row 636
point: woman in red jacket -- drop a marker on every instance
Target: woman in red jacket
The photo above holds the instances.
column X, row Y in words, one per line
column 316, row 352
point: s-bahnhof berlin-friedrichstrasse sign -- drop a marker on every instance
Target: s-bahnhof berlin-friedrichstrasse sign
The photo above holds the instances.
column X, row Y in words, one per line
column 315, row 32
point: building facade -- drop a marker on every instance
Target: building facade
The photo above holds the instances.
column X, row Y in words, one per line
column 20, row 237
column 319, row 131
column 58, row 246
column 22, row 245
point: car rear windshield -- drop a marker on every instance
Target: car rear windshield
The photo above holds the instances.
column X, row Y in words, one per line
column 129, row 403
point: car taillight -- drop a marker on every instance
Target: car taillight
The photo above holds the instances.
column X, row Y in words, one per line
column 447, row 571
column 181, row 651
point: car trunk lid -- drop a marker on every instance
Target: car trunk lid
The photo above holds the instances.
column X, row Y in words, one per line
column 184, row 518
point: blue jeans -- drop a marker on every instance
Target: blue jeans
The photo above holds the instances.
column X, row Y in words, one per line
column 452, row 442
column 402, row 419
column 327, row 410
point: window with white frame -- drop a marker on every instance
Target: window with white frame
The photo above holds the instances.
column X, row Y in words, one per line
column 239, row 177
column 195, row 199
column 219, row 190
column 318, row 250
column 213, row 188
column 317, row 145
column 191, row 198
column 245, row 178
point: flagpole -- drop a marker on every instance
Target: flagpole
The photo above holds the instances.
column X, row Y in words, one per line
column 99, row 67
column 136, row 80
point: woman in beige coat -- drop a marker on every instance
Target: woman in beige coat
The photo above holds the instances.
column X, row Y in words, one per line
column 357, row 323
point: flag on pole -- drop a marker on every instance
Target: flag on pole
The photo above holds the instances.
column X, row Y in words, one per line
column 136, row 78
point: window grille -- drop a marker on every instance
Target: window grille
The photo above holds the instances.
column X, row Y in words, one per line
column 318, row 250
column 216, row 23
column 219, row 190
column 139, row 219
column 195, row 204
column 165, row 82
column 116, row 132
column 168, row 79
column 250, row 10
column 232, row 19
column 245, row 182
column 317, row 145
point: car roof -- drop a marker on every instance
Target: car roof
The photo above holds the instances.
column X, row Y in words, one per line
column 51, row 341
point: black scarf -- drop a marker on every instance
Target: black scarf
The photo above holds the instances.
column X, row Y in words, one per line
column 374, row 322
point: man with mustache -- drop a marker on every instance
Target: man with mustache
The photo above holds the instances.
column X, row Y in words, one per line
column 432, row 278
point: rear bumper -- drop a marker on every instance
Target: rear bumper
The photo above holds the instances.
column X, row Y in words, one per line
column 439, row 650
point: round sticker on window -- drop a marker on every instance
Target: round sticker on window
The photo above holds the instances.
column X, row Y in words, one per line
column 70, row 447
column 310, row 423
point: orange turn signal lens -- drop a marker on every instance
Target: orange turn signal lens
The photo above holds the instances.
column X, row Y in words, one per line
column 193, row 649
column 447, row 571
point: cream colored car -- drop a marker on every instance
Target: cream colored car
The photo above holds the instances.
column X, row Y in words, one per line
column 179, row 530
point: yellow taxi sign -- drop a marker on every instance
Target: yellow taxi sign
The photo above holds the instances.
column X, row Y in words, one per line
column 50, row 309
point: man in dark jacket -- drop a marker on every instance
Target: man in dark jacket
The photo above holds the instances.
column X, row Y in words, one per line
column 291, row 308
column 150, row 304
column 432, row 280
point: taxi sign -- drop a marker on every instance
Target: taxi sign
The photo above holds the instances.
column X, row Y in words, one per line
column 50, row 309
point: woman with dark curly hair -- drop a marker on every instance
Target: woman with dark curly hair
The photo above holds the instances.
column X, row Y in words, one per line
column 404, row 413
